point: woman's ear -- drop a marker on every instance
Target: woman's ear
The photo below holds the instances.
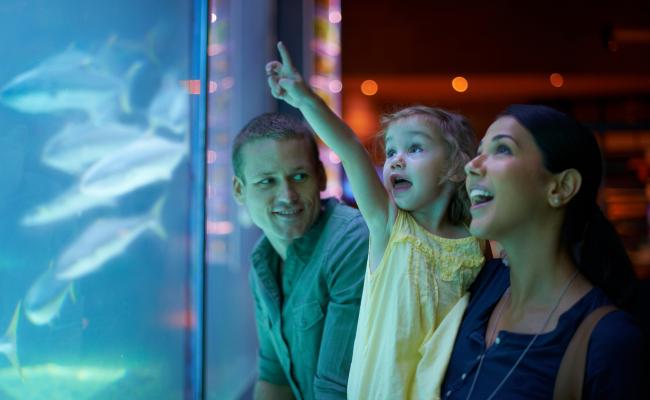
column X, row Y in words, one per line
column 564, row 186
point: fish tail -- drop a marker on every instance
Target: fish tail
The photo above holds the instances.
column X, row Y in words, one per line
column 156, row 217
column 12, row 355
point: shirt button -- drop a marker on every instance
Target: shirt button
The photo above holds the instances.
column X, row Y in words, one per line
column 497, row 340
column 448, row 393
column 463, row 376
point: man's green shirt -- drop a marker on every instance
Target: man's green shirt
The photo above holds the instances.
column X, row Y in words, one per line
column 307, row 317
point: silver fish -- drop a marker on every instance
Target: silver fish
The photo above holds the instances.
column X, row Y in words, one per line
column 71, row 80
column 103, row 240
column 69, row 204
column 68, row 80
column 145, row 161
column 78, row 145
column 45, row 298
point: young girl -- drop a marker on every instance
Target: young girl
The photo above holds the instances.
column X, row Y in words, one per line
column 421, row 258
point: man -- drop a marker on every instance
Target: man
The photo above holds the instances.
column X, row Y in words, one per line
column 308, row 268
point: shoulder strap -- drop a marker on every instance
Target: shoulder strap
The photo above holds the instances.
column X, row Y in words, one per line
column 570, row 375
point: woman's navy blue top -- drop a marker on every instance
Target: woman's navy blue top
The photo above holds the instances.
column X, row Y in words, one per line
column 614, row 359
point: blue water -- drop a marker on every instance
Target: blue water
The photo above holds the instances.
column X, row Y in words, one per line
column 121, row 330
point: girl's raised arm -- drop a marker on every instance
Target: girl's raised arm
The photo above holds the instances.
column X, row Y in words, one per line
column 374, row 202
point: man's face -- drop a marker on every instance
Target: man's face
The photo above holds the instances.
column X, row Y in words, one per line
column 280, row 187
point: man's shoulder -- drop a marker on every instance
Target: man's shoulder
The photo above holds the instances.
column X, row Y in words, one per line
column 344, row 216
column 344, row 231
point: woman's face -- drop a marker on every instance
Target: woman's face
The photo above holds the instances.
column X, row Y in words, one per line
column 507, row 182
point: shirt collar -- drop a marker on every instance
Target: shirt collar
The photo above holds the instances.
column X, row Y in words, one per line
column 303, row 247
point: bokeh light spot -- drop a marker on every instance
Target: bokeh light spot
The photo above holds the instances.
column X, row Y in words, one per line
column 369, row 87
column 459, row 84
column 334, row 159
column 335, row 86
column 556, row 80
column 335, row 17
column 213, row 86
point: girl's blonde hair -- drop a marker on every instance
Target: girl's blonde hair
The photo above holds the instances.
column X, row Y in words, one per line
column 461, row 141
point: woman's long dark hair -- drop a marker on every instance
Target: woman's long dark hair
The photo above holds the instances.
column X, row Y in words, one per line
column 591, row 239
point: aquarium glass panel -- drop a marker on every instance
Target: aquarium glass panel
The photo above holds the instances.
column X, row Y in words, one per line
column 100, row 183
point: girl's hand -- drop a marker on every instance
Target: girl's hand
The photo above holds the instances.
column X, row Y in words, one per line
column 285, row 81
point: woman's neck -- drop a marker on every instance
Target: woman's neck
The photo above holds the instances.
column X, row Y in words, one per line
column 539, row 267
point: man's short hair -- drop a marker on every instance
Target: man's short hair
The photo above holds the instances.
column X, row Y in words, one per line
column 272, row 126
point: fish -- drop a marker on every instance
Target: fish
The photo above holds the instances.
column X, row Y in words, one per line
column 72, row 79
column 170, row 106
column 9, row 342
column 104, row 240
column 78, row 145
column 45, row 298
column 71, row 203
column 143, row 162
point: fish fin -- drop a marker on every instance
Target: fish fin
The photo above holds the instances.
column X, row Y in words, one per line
column 11, row 329
column 125, row 102
column 125, row 94
column 156, row 216
column 12, row 355
column 72, row 293
column 159, row 230
column 133, row 70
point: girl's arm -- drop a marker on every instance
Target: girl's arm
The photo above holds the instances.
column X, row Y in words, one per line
column 375, row 205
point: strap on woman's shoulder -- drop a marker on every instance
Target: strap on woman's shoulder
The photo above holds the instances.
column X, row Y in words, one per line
column 571, row 374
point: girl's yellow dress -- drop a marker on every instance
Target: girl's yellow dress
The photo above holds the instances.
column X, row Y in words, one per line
column 411, row 308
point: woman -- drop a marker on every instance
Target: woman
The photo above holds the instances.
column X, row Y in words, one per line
column 533, row 188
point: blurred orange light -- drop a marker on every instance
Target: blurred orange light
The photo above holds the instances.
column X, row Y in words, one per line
column 369, row 87
column 193, row 86
column 218, row 227
column 335, row 17
column 556, row 79
column 459, row 84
